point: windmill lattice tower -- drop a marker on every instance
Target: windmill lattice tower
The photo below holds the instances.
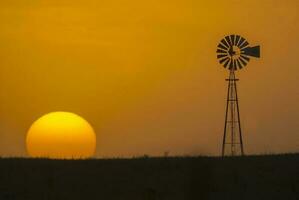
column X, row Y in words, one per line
column 234, row 53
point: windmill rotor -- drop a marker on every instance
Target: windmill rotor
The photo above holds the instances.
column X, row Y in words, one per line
column 234, row 52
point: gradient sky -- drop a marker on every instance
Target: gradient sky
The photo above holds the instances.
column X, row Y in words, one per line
column 145, row 73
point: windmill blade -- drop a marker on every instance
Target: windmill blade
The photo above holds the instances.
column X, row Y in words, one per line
column 221, row 56
column 242, row 40
column 221, row 51
column 235, row 65
column 245, row 44
column 238, row 37
column 223, row 60
column 231, row 64
column 252, row 51
column 239, row 64
column 244, row 62
column 229, row 41
column 245, row 57
column 224, row 42
column 232, row 38
column 221, row 46
column 226, row 63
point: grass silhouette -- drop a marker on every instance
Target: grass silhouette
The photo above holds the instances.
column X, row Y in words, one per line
column 166, row 178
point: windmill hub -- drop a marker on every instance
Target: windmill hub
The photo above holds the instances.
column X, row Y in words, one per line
column 234, row 52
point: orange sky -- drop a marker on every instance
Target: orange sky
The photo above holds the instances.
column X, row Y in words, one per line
column 145, row 74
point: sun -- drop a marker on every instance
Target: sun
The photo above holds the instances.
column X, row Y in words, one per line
column 61, row 135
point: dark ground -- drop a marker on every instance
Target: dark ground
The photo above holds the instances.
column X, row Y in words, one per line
column 253, row 177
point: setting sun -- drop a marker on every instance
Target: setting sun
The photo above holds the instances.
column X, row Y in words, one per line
column 61, row 135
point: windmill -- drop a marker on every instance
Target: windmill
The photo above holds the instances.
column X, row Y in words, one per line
column 234, row 53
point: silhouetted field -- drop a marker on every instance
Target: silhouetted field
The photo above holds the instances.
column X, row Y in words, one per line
column 179, row 178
